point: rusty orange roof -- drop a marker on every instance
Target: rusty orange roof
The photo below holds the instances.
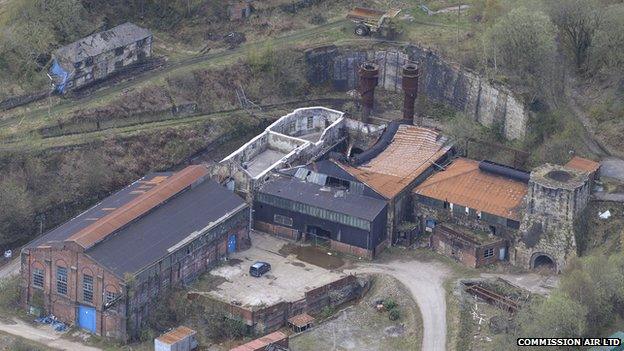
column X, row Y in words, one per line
column 176, row 335
column 583, row 164
column 464, row 184
column 164, row 189
column 261, row 343
column 301, row 320
column 412, row 150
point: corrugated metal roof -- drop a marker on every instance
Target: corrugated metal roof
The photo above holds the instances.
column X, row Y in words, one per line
column 167, row 228
column 464, row 184
column 353, row 204
column 583, row 164
column 139, row 206
column 100, row 210
column 412, row 150
column 101, row 42
column 261, row 343
column 301, row 320
column 177, row 334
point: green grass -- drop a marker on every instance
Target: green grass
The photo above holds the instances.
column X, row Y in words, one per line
column 11, row 342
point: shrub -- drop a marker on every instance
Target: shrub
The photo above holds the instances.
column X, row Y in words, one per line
column 389, row 304
column 9, row 293
column 394, row 314
column 327, row 312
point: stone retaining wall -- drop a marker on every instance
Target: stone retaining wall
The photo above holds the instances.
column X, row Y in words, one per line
column 441, row 81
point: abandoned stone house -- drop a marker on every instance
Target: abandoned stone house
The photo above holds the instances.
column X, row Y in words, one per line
column 100, row 270
column 483, row 212
column 99, row 55
column 472, row 210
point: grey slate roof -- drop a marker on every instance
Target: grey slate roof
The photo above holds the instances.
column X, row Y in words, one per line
column 350, row 203
column 101, row 42
column 147, row 239
column 100, row 210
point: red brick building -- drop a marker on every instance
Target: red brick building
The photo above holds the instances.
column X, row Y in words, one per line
column 471, row 248
column 101, row 270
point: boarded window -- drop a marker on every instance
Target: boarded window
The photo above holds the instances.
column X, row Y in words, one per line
column 283, row 220
column 61, row 280
column 488, row 253
column 87, row 288
column 38, row 278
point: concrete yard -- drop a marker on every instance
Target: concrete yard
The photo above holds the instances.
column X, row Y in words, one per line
column 288, row 279
column 263, row 161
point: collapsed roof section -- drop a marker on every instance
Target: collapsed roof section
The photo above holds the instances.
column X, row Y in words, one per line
column 411, row 152
column 300, row 135
column 101, row 42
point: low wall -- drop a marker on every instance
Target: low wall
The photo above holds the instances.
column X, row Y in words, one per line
column 271, row 318
column 441, row 81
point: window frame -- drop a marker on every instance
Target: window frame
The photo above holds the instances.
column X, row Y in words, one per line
column 62, row 283
column 283, row 220
column 488, row 253
column 87, row 288
column 109, row 297
column 35, row 276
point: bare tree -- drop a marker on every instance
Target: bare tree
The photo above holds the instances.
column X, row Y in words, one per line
column 578, row 21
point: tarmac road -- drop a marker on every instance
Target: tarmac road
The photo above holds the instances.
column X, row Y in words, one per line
column 425, row 281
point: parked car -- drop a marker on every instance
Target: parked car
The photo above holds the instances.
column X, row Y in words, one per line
column 259, row 268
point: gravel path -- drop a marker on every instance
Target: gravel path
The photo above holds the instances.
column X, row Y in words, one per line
column 425, row 281
column 42, row 335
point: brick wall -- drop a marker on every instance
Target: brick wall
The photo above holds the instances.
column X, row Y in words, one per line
column 471, row 255
column 268, row 319
column 351, row 250
column 110, row 322
column 277, row 230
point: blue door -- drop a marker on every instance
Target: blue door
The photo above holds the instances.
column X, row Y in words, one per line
column 86, row 318
column 232, row 243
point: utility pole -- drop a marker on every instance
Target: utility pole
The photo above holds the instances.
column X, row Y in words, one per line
column 458, row 17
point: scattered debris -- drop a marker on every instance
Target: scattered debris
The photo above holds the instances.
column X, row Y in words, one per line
column 51, row 320
column 604, row 215
column 234, row 39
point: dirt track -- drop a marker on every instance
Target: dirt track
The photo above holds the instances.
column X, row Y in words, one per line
column 43, row 335
column 425, row 281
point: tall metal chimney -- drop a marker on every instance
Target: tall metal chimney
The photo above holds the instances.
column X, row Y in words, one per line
column 369, row 77
column 410, row 87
